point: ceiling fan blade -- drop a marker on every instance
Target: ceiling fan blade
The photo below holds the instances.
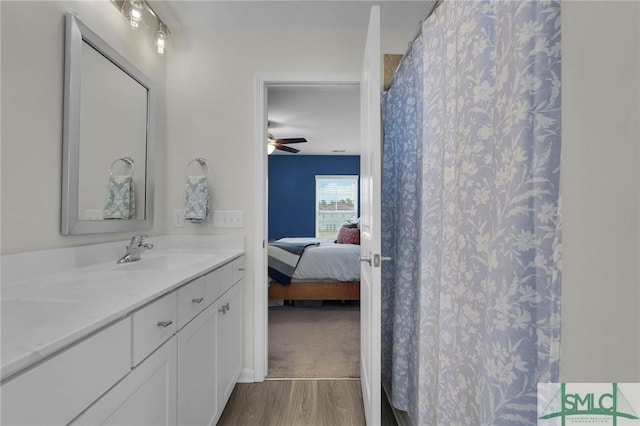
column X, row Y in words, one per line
column 291, row 140
column 287, row 149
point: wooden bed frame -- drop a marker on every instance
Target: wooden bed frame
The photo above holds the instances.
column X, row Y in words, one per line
column 315, row 290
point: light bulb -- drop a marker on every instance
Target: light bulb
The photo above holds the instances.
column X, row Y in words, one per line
column 134, row 18
column 133, row 12
column 270, row 149
column 161, row 40
column 160, row 45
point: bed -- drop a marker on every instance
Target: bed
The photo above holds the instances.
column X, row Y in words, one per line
column 325, row 271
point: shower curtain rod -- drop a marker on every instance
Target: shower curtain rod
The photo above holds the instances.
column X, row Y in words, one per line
column 434, row 6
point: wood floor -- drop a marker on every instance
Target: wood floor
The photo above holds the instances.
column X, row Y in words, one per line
column 297, row 403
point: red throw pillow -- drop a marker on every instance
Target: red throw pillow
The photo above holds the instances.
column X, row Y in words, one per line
column 348, row 236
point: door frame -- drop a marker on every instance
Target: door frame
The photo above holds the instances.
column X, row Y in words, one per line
column 260, row 302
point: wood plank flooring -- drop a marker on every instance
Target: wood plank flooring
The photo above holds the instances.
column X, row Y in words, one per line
column 298, row 403
column 295, row 403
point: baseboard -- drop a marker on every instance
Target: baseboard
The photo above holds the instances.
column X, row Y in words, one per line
column 402, row 418
column 247, row 376
column 307, row 379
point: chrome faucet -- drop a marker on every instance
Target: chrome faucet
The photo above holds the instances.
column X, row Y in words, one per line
column 135, row 249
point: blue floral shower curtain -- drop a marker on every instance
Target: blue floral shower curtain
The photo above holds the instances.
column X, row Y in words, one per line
column 471, row 304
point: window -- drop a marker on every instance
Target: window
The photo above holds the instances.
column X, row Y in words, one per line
column 336, row 203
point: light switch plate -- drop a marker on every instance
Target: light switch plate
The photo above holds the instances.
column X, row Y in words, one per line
column 228, row 219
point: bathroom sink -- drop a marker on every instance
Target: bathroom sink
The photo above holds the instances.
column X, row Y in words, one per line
column 168, row 262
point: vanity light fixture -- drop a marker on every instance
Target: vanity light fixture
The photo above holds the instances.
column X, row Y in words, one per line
column 138, row 14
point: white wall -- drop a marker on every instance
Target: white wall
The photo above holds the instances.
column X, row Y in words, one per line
column 210, row 110
column 32, row 112
column 601, row 190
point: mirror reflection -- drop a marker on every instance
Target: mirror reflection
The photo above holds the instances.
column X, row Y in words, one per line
column 113, row 118
column 108, row 140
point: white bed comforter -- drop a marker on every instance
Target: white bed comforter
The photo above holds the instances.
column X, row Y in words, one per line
column 328, row 261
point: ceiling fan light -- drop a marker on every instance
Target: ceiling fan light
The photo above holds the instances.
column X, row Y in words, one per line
column 270, row 149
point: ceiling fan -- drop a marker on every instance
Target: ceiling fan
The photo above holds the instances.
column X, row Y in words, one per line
column 281, row 144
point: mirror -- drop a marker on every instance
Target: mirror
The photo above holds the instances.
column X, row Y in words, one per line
column 107, row 141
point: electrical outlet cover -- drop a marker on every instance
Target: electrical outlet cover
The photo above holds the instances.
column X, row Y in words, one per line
column 178, row 218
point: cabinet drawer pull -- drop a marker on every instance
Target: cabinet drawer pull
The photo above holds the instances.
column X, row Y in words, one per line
column 197, row 300
column 226, row 305
column 223, row 309
column 240, row 269
column 164, row 324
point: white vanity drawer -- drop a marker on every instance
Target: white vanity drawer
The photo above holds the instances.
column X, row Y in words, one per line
column 218, row 281
column 238, row 269
column 58, row 389
column 152, row 325
column 191, row 300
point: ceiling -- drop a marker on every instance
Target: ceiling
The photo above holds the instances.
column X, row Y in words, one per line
column 287, row 14
column 328, row 117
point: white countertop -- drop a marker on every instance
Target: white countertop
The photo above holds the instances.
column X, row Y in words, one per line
column 57, row 306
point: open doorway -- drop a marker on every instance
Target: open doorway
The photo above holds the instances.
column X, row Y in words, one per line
column 313, row 171
column 310, row 334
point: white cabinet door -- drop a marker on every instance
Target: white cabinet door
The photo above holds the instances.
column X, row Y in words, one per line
column 210, row 359
column 147, row 396
column 57, row 390
column 230, row 340
column 197, row 375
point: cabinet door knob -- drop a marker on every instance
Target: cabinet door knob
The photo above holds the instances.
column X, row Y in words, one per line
column 197, row 300
column 164, row 324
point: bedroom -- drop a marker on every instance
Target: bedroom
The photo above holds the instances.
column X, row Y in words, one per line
column 304, row 193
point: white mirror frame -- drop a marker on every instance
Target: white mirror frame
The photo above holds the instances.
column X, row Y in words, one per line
column 76, row 33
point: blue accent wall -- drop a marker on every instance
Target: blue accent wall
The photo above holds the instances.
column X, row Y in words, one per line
column 292, row 190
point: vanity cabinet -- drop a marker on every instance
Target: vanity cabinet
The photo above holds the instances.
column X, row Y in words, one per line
column 229, row 341
column 210, row 350
column 230, row 333
column 197, row 372
column 172, row 361
column 147, row 396
column 58, row 389
column 152, row 325
column 191, row 301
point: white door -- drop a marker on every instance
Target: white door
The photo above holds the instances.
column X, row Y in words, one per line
column 370, row 174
